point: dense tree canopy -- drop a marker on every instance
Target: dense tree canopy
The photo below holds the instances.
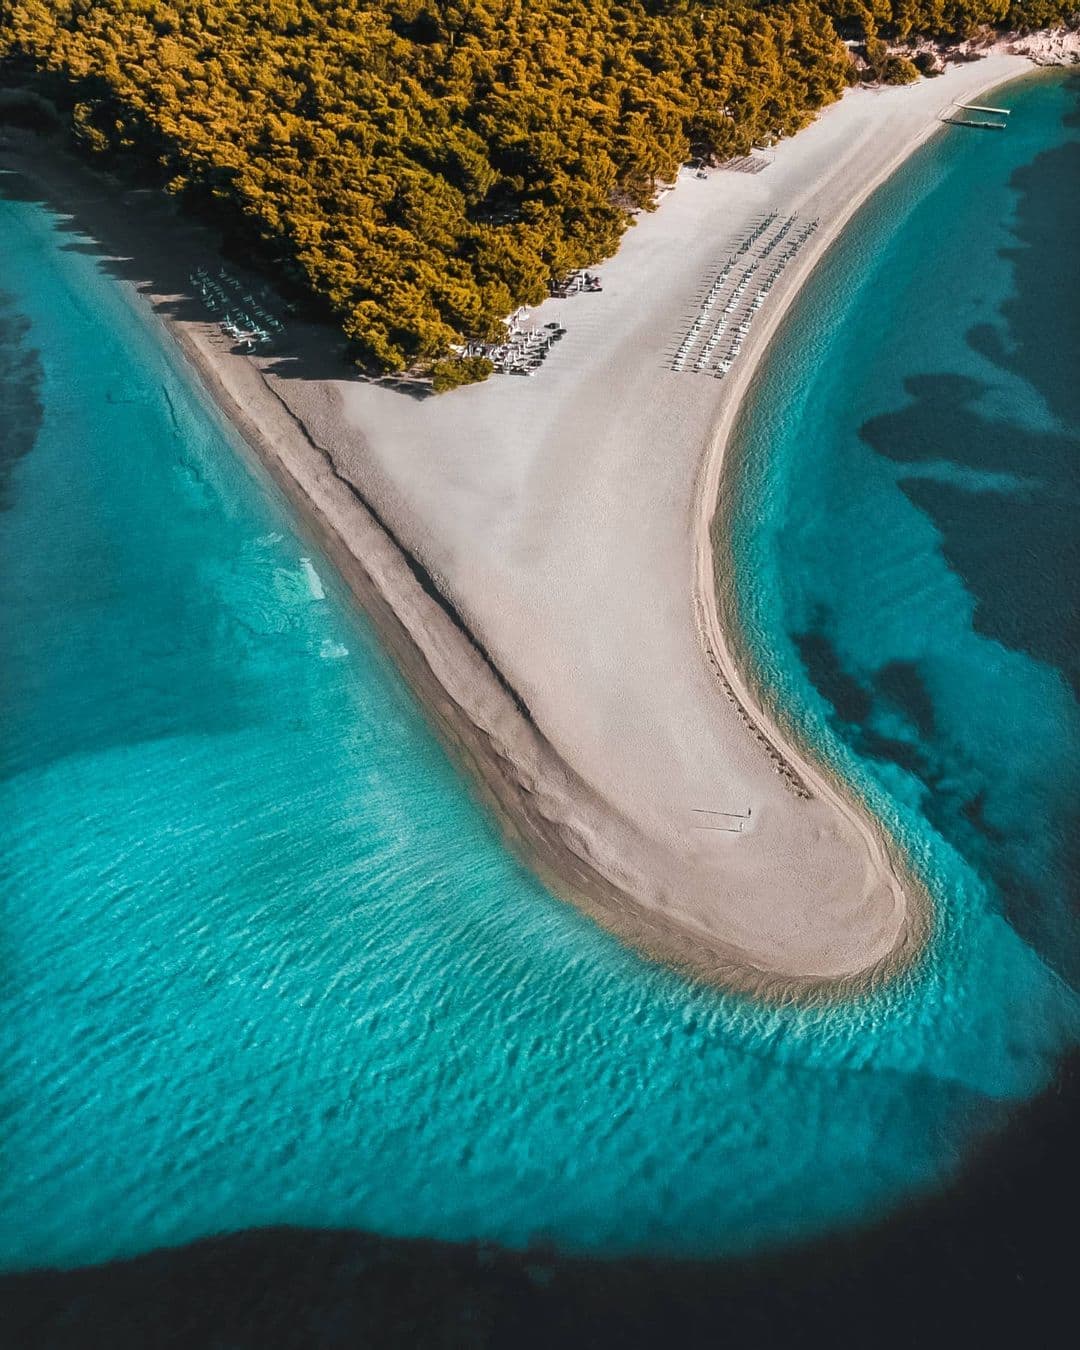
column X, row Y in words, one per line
column 422, row 166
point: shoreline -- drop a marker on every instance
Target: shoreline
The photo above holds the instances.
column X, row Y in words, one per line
column 721, row 632
column 571, row 831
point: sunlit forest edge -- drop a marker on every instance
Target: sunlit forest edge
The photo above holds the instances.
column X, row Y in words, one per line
column 418, row 168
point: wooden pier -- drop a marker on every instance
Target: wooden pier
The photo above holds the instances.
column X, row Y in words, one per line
column 970, row 122
column 953, row 115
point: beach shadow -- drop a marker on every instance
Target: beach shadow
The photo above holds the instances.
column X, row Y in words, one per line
column 144, row 237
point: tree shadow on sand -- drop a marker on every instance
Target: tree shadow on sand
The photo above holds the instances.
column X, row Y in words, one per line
column 152, row 244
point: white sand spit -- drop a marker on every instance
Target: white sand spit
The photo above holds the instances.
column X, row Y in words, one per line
column 574, row 653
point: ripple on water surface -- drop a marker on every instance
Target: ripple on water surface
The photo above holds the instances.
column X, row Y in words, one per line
column 264, row 960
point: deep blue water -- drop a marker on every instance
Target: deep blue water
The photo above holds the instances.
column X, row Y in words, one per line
column 266, row 962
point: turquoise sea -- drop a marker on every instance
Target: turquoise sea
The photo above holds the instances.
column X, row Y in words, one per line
column 265, row 961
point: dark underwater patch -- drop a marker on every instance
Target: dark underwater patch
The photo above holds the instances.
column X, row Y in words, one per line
column 1019, row 558
column 857, row 706
column 21, row 408
column 956, row 796
column 1017, row 552
column 901, row 684
column 1042, row 317
column 841, row 690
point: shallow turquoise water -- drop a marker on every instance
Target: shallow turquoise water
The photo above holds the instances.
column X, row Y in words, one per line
column 264, row 961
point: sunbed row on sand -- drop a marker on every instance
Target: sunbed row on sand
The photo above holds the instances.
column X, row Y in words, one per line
column 244, row 316
column 730, row 288
column 561, row 288
column 524, row 350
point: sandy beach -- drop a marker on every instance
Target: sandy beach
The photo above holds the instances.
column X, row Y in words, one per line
column 537, row 555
